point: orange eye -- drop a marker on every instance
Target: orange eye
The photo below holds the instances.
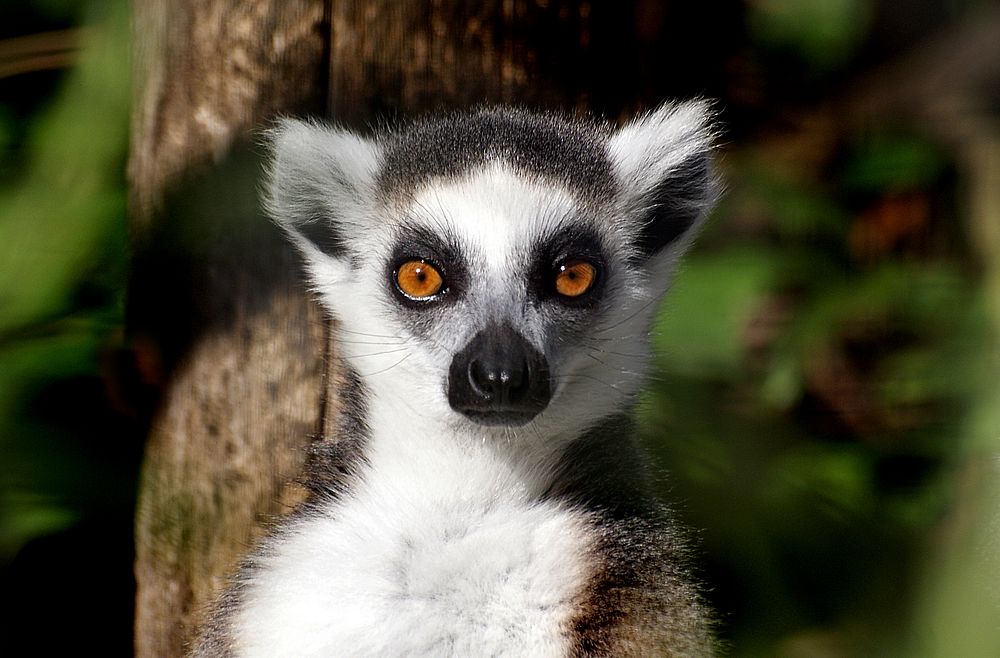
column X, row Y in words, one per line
column 418, row 279
column 575, row 278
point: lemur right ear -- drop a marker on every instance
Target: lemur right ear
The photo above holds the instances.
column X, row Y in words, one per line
column 663, row 163
column 318, row 184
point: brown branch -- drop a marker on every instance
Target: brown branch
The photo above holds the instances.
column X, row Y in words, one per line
column 35, row 63
column 41, row 51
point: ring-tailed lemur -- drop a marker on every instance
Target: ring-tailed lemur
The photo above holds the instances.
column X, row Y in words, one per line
column 493, row 275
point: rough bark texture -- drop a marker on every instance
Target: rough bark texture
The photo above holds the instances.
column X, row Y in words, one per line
column 222, row 330
column 206, row 72
column 387, row 56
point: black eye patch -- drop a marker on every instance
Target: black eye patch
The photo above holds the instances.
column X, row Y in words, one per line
column 416, row 243
column 559, row 250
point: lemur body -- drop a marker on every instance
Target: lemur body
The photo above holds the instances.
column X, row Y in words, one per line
column 494, row 276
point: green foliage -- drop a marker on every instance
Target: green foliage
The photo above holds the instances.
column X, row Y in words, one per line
column 40, row 478
column 62, row 259
column 888, row 161
column 823, row 33
column 796, row 208
column 699, row 334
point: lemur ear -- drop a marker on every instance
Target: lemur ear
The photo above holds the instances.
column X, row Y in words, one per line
column 663, row 162
column 318, row 183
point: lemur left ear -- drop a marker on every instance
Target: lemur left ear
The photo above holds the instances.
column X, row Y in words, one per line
column 663, row 162
column 318, row 185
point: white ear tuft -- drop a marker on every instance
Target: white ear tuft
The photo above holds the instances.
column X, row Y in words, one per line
column 663, row 163
column 319, row 182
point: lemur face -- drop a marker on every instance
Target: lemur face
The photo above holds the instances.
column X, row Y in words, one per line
column 511, row 276
column 496, row 269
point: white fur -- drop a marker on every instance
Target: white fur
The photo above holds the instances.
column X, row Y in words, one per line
column 443, row 545
column 317, row 167
column 440, row 550
column 647, row 148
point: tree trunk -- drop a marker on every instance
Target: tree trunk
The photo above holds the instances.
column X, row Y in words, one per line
column 222, row 332
column 234, row 354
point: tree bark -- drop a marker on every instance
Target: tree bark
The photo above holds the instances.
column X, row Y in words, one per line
column 222, row 332
column 388, row 56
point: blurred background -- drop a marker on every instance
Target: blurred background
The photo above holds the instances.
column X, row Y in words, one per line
column 827, row 398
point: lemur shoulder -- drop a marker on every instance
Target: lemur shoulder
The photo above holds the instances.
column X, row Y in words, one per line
column 493, row 276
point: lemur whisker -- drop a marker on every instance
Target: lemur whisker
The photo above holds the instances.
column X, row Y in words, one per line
column 384, row 370
column 444, row 349
column 551, row 217
column 622, row 354
column 382, row 353
column 620, row 337
column 642, row 308
column 370, row 342
column 580, row 375
column 442, row 219
column 341, row 330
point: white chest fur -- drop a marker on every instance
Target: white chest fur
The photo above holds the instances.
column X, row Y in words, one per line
column 434, row 557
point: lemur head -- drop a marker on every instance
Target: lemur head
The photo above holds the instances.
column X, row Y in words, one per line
column 499, row 268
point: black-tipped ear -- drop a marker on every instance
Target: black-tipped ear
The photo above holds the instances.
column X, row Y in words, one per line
column 663, row 161
column 318, row 184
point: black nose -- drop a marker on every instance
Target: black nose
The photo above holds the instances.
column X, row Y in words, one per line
column 499, row 378
column 496, row 378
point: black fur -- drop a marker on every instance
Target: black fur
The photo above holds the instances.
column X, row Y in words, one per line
column 334, row 460
column 564, row 245
column 323, row 233
column 675, row 204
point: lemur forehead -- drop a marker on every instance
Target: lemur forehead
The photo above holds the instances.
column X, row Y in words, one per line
column 497, row 210
column 570, row 153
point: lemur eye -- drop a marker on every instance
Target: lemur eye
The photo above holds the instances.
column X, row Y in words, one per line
column 574, row 278
column 418, row 279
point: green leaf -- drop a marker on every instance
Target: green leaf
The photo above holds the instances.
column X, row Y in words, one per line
column 823, row 33
column 700, row 328
column 893, row 162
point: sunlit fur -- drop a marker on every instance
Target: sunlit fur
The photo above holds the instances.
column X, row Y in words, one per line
column 445, row 537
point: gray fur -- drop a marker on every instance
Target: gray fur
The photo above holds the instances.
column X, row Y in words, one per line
column 570, row 153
